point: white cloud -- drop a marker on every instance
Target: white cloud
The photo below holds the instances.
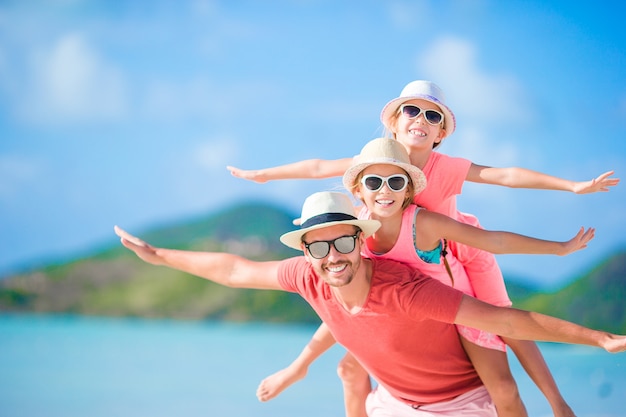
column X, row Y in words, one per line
column 202, row 98
column 483, row 97
column 404, row 14
column 72, row 83
column 214, row 155
column 166, row 100
column 473, row 144
column 481, row 102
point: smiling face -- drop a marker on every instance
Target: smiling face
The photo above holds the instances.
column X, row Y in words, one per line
column 418, row 134
column 336, row 268
column 384, row 203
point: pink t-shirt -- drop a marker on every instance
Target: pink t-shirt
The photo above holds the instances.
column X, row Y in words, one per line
column 403, row 335
column 445, row 177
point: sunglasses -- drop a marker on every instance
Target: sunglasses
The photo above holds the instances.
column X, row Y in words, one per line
column 395, row 182
column 411, row 111
column 321, row 248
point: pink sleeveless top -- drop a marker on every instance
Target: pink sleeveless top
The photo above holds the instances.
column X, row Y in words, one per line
column 404, row 251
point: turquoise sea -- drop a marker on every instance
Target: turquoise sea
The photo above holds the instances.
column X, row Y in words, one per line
column 66, row 366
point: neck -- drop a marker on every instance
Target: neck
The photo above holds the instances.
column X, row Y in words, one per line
column 353, row 296
column 419, row 157
column 387, row 235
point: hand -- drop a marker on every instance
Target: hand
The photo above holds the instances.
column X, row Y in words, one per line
column 142, row 249
column 615, row 344
column 251, row 175
column 579, row 241
column 597, row 184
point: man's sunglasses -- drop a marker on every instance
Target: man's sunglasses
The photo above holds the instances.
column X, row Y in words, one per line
column 411, row 111
column 396, row 182
column 321, row 248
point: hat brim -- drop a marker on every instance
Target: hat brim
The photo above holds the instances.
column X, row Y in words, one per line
column 294, row 239
column 449, row 122
column 417, row 176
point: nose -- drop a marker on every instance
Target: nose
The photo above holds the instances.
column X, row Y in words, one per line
column 333, row 253
column 421, row 117
column 385, row 188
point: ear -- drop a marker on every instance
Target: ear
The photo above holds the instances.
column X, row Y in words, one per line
column 440, row 136
column 307, row 257
column 362, row 240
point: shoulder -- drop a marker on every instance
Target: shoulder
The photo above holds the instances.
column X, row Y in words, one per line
column 293, row 272
column 440, row 158
column 392, row 271
column 294, row 266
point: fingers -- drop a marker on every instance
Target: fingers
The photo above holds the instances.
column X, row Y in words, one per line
column 125, row 236
column 585, row 236
column 262, row 393
column 606, row 174
column 605, row 181
column 590, row 234
column 235, row 172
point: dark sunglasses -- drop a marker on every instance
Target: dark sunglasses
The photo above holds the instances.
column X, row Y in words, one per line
column 411, row 111
column 396, row 182
column 321, row 248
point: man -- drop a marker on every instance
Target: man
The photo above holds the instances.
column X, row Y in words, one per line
column 397, row 322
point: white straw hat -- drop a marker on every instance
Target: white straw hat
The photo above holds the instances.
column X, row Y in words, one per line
column 325, row 209
column 384, row 151
column 423, row 90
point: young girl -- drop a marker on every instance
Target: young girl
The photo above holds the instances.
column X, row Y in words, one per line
column 385, row 181
column 420, row 120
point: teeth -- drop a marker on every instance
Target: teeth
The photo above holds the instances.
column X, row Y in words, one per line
column 385, row 202
column 417, row 133
column 337, row 268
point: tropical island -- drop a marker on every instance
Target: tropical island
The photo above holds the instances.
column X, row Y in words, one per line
column 112, row 282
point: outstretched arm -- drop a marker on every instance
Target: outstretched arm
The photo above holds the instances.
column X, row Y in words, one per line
column 274, row 384
column 526, row 178
column 528, row 325
column 436, row 226
column 307, row 169
column 222, row 268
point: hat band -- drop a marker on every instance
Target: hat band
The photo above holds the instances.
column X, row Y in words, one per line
column 326, row 218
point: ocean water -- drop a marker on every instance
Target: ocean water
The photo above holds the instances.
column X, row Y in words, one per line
column 66, row 366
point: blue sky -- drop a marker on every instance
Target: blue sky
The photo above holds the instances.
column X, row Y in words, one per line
column 128, row 112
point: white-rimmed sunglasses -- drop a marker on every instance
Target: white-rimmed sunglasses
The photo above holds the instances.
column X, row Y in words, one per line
column 411, row 111
column 395, row 182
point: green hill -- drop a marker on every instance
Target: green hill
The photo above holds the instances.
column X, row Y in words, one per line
column 114, row 282
column 596, row 300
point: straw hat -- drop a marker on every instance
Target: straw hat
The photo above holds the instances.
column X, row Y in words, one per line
column 423, row 90
column 325, row 209
column 384, row 151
